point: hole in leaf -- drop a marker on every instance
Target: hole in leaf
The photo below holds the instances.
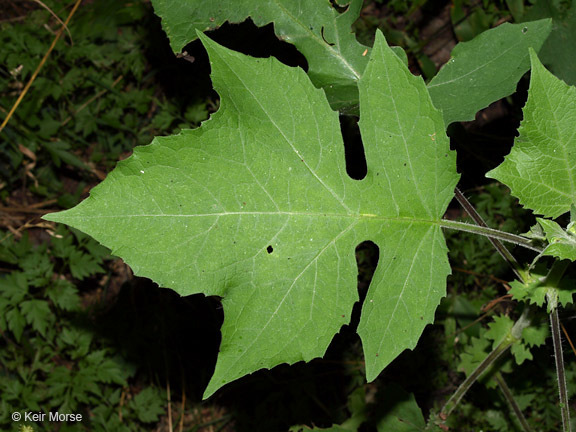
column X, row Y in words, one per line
column 340, row 8
column 525, row 29
column 270, row 249
column 324, row 38
column 353, row 148
column 367, row 255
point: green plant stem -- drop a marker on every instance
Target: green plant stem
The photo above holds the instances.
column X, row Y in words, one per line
column 512, row 402
column 496, row 237
column 553, row 279
column 498, row 245
column 560, row 371
column 501, row 348
column 490, row 233
column 471, row 379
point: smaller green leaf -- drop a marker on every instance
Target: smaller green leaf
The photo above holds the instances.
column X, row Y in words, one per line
column 562, row 243
column 61, row 152
column 536, row 233
column 6, row 255
column 558, row 51
column 111, row 371
column 485, row 69
column 83, row 265
column 16, row 323
column 38, row 267
column 475, row 353
column 148, row 405
column 536, row 291
column 535, row 336
column 400, row 411
column 78, row 340
column 541, row 168
column 38, row 314
column 14, row 287
column 521, row 353
column 499, row 330
column 530, row 292
column 64, row 294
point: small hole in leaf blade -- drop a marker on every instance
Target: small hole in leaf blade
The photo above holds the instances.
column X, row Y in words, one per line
column 269, row 249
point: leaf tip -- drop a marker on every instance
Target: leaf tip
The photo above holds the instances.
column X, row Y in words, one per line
column 213, row 387
column 534, row 60
column 206, row 41
column 52, row 217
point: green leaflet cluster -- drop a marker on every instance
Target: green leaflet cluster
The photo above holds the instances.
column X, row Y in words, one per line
column 255, row 206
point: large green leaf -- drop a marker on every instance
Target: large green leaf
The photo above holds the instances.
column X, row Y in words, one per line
column 541, row 168
column 255, row 206
column 486, row 69
column 319, row 31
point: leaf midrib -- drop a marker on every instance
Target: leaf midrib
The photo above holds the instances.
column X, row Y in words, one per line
column 319, row 215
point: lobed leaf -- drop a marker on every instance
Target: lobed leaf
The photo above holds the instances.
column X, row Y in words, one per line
column 486, row 69
column 256, row 207
column 541, row 168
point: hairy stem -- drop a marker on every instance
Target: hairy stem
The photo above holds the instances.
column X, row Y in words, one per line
column 512, row 402
column 471, row 379
column 560, row 372
column 553, row 279
column 490, row 233
column 498, row 245
column 501, row 348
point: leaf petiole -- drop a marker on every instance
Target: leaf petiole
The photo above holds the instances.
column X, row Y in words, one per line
column 490, row 233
